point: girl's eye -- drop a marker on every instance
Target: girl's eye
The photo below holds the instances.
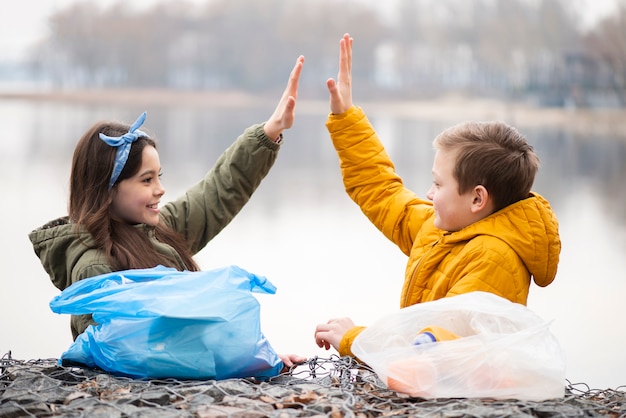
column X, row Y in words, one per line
column 147, row 180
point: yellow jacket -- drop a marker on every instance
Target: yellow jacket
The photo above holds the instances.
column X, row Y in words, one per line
column 497, row 254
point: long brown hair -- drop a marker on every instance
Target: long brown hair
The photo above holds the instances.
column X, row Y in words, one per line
column 492, row 154
column 126, row 246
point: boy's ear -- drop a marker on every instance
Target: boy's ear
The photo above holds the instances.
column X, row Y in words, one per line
column 480, row 199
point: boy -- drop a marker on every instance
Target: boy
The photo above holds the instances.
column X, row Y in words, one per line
column 481, row 227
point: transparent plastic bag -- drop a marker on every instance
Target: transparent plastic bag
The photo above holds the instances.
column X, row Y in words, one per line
column 163, row 323
column 504, row 350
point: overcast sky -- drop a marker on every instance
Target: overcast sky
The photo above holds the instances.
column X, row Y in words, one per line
column 23, row 22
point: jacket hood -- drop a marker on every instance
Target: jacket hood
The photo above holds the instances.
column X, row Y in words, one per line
column 531, row 229
column 60, row 240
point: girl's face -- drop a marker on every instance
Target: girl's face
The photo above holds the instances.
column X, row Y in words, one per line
column 136, row 199
column 452, row 210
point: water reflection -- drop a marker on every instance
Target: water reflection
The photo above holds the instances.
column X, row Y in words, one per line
column 302, row 232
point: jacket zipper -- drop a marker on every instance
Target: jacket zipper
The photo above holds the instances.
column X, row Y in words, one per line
column 419, row 263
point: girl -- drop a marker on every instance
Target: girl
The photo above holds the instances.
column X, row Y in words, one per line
column 114, row 220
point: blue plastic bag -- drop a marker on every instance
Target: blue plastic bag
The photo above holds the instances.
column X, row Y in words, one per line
column 164, row 323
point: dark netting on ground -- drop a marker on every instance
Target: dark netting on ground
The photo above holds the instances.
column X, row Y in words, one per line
column 322, row 387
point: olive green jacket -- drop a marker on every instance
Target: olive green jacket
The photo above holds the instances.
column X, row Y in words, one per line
column 69, row 253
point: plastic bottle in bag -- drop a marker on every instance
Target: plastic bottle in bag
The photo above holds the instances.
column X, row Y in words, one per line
column 433, row 334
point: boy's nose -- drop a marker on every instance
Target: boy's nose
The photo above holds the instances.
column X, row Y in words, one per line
column 429, row 193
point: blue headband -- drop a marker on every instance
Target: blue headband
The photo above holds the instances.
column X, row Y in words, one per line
column 123, row 144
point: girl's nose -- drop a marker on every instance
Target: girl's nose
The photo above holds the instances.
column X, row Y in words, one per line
column 160, row 190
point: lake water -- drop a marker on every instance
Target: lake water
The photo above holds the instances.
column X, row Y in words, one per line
column 302, row 232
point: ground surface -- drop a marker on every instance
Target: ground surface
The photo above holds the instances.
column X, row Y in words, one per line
column 334, row 387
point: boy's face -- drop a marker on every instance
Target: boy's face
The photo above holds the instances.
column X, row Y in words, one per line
column 452, row 210
column 136, row 199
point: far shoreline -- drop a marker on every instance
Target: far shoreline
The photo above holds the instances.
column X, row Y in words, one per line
column 609, row 122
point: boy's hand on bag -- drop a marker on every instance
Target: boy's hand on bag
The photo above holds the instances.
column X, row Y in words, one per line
column 331, row 333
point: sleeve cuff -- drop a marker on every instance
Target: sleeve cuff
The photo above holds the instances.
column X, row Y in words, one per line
column 271, row 143
column 345, row 346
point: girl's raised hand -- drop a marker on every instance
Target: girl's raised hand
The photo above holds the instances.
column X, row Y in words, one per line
column 285, row 111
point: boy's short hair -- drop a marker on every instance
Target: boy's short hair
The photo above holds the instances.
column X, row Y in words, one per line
column 492, row 154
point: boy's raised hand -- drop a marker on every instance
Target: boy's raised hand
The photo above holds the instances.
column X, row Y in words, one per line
column 285, row 112
column 341, row 90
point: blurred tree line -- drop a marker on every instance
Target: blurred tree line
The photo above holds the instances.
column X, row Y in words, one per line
column 519, row 49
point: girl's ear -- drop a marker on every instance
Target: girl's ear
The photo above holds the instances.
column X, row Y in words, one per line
column 480, row 199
